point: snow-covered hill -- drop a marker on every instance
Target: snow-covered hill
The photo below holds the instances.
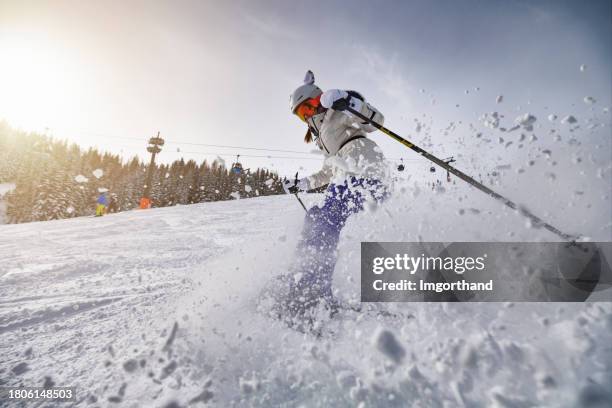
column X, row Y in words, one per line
column 150, row 308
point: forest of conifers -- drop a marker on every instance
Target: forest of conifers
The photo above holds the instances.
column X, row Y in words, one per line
column 54, row 179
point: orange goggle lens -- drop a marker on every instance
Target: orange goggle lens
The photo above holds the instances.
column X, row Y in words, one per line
column 308, row 108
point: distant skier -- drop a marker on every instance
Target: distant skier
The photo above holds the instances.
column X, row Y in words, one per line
column 101, row 204
column 354, row 170
column 112, row 205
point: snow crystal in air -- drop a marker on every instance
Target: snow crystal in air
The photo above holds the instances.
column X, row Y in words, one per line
column 371, row 205
column 589, row 100
column 490, row 120
column 20, row 368
column 346, row 379
column 499, row 99
column 130, row 365
column 337, row 163
column 569, row 119
column 81, row 179
column 583, row 68
column 552, row 117
column 98, row 173
column 386, row 342
column 526, row 121
column 70, row 210
column 269, row 182
column 235, row 195
column 247, row 188
column 204, row 396
column 298, row 277
column 248, row 386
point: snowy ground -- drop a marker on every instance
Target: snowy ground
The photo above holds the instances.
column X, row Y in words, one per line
column 150, row 308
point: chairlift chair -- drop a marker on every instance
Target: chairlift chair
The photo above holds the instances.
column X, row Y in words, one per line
column 237, row 166
column 401, row 165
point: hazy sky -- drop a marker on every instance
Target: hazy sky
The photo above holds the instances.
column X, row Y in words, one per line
column 102, row 73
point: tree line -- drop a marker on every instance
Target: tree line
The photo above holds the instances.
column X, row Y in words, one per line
column 56, row 180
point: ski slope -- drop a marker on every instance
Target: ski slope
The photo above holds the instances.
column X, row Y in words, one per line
column 157, row 308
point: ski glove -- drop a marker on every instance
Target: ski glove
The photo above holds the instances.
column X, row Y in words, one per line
column 341, row 104
column 294, row 187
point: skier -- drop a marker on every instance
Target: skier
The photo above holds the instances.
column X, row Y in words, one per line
column 112, row 205
column 354, row 171
column 101, row 204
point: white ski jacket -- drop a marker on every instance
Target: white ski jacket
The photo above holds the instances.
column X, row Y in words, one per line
column 342, row 138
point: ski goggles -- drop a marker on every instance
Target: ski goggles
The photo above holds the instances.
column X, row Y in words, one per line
column 308, row 108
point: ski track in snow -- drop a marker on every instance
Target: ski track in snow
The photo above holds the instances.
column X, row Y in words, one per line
column 146, row 308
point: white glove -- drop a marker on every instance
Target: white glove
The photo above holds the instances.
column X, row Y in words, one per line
column 291, row 187
column 330, row 96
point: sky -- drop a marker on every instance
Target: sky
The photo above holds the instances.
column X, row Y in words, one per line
column 112, row 74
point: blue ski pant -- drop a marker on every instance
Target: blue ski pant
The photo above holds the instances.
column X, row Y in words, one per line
column 316, row 251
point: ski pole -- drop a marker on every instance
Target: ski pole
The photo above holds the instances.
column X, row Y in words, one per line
column 296, row 194
column 300, row 200
column 534, row 219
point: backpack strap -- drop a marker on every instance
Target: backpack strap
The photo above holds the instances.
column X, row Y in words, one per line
column 350, row 139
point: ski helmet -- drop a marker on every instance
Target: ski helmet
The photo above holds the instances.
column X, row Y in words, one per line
column 307, row 91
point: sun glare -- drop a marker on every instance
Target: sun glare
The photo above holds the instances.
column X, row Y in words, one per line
column 37, row 82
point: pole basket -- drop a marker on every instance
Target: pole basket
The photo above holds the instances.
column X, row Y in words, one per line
column 145, row 203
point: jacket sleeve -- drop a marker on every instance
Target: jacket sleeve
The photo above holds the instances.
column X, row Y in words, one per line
column 367, row 110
